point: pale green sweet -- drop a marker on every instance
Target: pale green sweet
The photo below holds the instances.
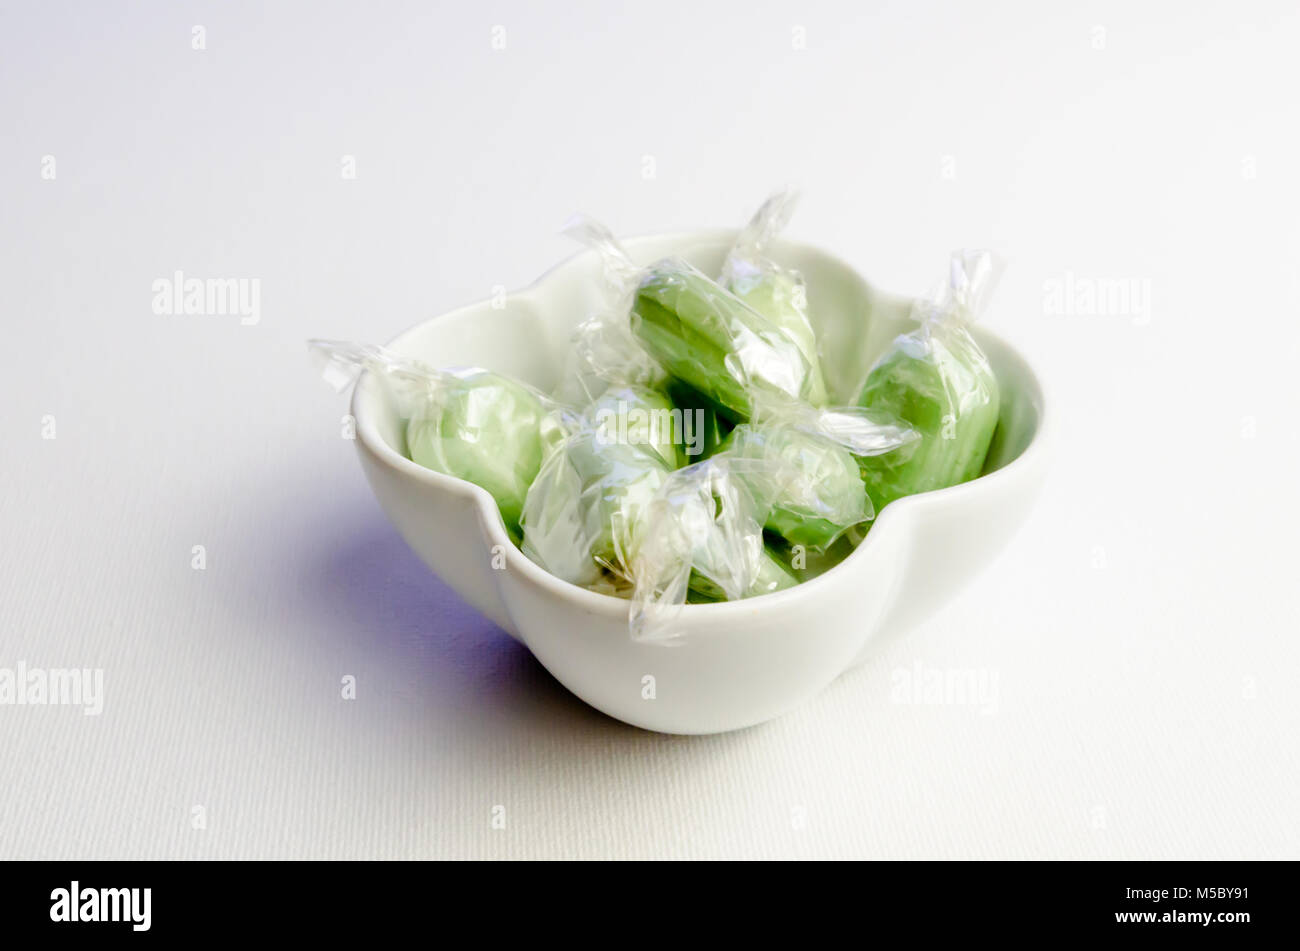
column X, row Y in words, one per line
column 467, row 423
column 808, row 486
column 938, row 380
column 780, row 296
column 772, row 576
column 585, row 506
column 484, row 428
column 776, row 292
column 710, row 339
column 701, row 540
column 641, row 416
column 706, row 530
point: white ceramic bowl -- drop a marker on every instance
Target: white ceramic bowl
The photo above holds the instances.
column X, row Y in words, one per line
column 738, row 663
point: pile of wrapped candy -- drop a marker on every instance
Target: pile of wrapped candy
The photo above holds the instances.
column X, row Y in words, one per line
column 690, row 453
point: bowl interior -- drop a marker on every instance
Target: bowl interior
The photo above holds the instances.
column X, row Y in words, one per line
column 526, row 335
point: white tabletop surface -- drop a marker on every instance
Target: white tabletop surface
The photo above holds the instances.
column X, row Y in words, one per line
column 1138, row 639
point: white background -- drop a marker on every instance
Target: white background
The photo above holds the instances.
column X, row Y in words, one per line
column 1141, row 631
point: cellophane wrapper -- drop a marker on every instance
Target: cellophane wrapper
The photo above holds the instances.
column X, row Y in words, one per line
column 466, row 422
column 938, row 380
column 778, row 293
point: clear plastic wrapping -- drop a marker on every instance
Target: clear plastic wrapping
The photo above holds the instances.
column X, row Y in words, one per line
column 776, row 292
column 809, row 485
column 600, row 471
column 586, row 505
column 603, row 351
column 698, row 331
column 612, row 516
column 702, row 533
column 938, row 380
column 585, row 508
column 807, row 461
column 794, row 474
column 606, row 359
column 465, row 422
column 711, row 339
column 642, row 416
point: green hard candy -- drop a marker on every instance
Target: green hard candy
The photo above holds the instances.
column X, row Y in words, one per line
column 710, row 339
column 486, row 429
column 641, row 416
column 780, row 296
column 809, row 486
column 586, row 504
column 941, row 383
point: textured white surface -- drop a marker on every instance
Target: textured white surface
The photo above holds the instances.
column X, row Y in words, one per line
column 1141, row 632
